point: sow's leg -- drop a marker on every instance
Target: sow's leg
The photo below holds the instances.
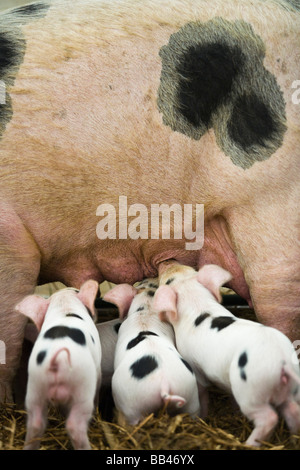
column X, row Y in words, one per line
column 19, row 269
column 270, row 259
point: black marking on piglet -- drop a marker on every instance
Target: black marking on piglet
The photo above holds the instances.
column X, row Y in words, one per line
column 40, row 357
column 140, row 337
column 170, row 280
column 153, row 285
column 64, row 331
column 141, row 308
column 74, row 315
column 117, row 327
column 150, row 293
column 243, row 360
column 201, row 318
column 187, row 365
column 92, row 338
column 143, row 367
column 222, row 322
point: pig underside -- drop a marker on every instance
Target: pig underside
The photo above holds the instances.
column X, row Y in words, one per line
column 91, row 115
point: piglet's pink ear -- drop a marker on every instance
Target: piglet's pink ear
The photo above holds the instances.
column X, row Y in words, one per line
column 213, row 277
column 121, row 295
column 165, row 303
column 87, row 294
column 35, row 308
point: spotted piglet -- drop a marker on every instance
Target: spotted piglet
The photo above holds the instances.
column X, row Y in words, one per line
column 149, row 372
column 64, row 366
column 254, row 362
column 108, row 333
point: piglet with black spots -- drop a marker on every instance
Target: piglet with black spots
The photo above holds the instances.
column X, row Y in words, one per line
column 149, row 372
column 64, row 366
column 256, row 363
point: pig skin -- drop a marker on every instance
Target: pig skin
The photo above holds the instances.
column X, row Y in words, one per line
column 82, row 127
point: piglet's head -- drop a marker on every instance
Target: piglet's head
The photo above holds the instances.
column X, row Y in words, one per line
column 121, row 295
column 35, row 307
column 211, row 276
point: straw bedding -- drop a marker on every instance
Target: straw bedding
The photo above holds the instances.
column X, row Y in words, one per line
column 224, row 429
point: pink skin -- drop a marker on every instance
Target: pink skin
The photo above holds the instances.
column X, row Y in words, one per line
column 63, row 153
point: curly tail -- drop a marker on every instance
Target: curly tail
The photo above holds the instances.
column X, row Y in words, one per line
column 54, row 364
column 170, row 399
column 288, row 373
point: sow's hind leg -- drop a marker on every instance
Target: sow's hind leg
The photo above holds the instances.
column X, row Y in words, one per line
column 19, row 269
column 270, row 259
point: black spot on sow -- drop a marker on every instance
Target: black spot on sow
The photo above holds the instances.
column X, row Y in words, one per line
column 207, row 73
column 31, row 10
column 9, row 55
column 251, row 122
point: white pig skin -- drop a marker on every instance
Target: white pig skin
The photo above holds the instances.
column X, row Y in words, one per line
column 64, row 366
column 252, row 361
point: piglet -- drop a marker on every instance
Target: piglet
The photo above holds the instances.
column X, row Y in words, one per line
column 108, row 333
column 64, row 366
column 149, row 372
column 254, row 362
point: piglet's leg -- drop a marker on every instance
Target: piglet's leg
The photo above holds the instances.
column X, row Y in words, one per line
column 77, row 425
column 290, row 410
column 36, row 424
column 265, row 420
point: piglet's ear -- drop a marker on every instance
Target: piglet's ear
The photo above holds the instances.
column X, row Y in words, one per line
column 35, row 308
column 165, row 303
column 87, row 294
column 121, row 295
column 213, row 277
